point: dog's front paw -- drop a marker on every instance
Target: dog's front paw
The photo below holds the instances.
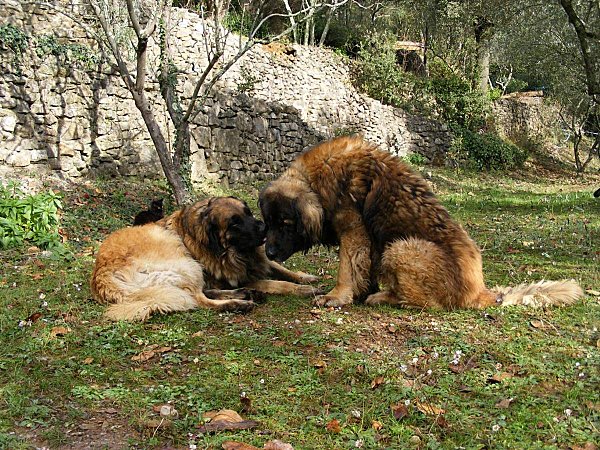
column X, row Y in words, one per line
column 333, row 300
column 309, row 291
column 306, row 278
column 254, row 295
column 239, row 306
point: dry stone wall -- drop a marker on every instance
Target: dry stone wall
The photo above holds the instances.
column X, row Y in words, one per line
column 273, row 103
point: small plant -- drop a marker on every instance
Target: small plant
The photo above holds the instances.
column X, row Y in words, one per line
column 415, row 159
column 31, row 218
column 14, row 40
column 74, row 54
column 248, row 80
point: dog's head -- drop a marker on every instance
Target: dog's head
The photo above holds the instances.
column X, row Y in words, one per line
column 293, row 216
column 228, row 222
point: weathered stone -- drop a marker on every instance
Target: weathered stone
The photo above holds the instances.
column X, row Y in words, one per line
column 19, row 159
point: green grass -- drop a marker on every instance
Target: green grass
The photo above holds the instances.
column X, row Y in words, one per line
column 303, row 368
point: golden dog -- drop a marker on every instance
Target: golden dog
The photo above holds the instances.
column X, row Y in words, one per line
column 177, row 263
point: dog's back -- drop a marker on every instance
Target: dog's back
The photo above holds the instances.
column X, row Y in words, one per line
column 146, row 264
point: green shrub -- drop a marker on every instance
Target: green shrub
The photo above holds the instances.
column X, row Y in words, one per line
column 486, row 150
column 31, row 218
column 377, row 74
column 456, row 102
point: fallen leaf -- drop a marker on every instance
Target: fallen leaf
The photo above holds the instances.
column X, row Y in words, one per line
column 232, row 445
column 376, row 425
column 143, row 356
column 441, row 422
column 34, row 317
column 378, row 381
column 392, row 328
column 538, row 324
column 504, row 403
column 429, row 409
column 88, row 360
column 334, row 426
column 471, row 363
column 198, row 334
column 224, row 425
column 499, row 377
column 59, row 331
column 586, row 446
column 399, row 410
column 246, row 403
column 593, row 292
column 228, row 415
column 278, row 445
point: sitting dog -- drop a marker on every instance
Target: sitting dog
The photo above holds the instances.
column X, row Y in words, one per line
column 391, row 229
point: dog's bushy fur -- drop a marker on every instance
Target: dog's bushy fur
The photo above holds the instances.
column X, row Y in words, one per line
column 172, row 265
column 391, row 229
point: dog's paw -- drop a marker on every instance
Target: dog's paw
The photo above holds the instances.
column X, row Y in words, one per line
column 332, row 300
column 306, row 278
column 254, row 295
column 239, row 306
column 309, row 291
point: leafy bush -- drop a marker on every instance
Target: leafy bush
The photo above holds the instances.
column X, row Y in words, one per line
column 377, row 74
column 486, row 150
column 31, row 218
column 456, row 102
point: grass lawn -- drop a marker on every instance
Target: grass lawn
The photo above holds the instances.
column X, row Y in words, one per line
column 314, row 378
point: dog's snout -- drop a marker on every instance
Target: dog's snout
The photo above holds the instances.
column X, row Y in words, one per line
column 271, row 252
column 262, row 228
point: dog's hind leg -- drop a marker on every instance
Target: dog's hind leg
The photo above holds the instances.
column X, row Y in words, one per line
column 223, row 305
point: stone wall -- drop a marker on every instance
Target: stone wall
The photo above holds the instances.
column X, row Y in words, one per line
column 525, row 117
column 273, row 103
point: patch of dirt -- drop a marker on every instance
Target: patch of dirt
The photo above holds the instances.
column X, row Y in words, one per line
column 103, row 429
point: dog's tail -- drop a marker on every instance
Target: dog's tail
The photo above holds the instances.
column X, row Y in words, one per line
column 542, row 293
column 139, row 306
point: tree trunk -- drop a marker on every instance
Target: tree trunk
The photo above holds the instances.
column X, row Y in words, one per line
column 589, row 62
column 174, row 178
column 483, row 39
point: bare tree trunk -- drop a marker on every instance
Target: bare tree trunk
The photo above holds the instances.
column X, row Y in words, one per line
column 584, row 36
column 173, row 176
column 483, row 35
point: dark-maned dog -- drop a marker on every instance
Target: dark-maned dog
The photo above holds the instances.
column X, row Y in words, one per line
column 153, row 214
column 176, row 264
column 391, row 229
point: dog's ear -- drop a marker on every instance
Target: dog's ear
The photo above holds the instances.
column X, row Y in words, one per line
column 212, row 230
column 309, row 213
column 214, row 239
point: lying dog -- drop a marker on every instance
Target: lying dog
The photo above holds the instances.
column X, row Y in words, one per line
column 390, row 228
column 177, row 263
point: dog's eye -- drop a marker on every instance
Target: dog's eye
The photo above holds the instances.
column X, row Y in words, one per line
column 288, row 223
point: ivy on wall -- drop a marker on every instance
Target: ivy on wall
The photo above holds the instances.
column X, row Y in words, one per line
column 16, row 41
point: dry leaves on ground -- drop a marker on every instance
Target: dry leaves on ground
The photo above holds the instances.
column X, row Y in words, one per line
column 225, row 419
